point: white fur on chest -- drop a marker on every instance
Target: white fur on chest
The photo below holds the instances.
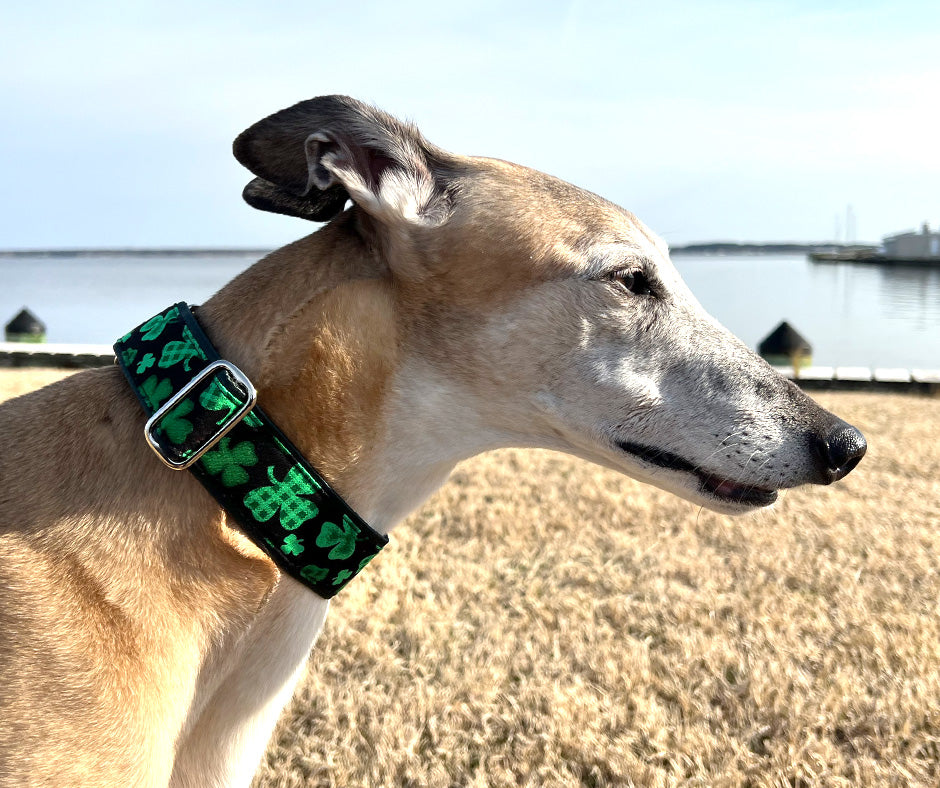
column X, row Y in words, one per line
column 243, row 690
column 244, row 685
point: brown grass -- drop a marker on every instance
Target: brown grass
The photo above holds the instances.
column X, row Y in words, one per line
column 542, row 622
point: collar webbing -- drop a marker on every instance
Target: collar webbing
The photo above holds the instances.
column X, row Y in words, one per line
column 203, row 419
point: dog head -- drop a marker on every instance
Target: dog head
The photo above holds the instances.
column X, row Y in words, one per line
column 544, row 315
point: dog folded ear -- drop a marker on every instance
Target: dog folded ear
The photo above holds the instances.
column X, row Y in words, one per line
column 331, row 143
column 320, row 206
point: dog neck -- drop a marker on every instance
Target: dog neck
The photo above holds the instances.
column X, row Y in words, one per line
column 345, row 390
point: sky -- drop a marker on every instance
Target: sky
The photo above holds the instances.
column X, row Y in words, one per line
column 734, row 120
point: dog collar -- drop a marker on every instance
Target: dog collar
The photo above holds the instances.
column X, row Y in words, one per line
column 203, row 417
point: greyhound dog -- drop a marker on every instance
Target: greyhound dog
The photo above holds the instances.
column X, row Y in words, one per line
column 457, row 305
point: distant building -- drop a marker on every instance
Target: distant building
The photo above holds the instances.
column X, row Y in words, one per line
column 914, row 246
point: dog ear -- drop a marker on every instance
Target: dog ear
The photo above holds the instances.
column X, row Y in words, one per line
column 317, row 207
column 331, row 143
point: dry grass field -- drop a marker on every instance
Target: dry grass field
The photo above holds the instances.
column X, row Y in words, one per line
column 542, row 622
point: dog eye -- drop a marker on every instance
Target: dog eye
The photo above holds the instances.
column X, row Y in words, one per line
column 632, row 281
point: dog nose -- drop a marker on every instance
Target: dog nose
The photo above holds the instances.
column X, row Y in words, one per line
column 839, row 451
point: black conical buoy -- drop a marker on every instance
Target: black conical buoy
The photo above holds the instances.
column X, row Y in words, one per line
column 785, row 345
column 25, row 327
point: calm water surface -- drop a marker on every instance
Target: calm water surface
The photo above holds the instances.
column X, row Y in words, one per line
column 852, row 314
column 97, row 299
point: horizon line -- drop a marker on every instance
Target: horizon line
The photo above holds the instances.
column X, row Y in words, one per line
column 221, row 250
column 135, row 250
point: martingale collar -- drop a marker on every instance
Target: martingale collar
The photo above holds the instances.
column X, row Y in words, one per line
column 203, row 417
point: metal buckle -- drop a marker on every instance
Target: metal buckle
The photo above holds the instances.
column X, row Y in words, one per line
column 242, row 411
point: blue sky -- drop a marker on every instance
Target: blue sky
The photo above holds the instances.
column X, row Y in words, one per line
column 710, row 120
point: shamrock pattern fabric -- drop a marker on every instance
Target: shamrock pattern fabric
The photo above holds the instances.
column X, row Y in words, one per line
column 253, row 471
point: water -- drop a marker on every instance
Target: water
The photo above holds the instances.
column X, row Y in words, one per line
column 853, row 315
column 96, row 299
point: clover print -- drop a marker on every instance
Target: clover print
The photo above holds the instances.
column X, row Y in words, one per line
column 181, row 352
column 145, row 363
column 154, row 327
column 217, row 397
column 313, row 574
column 128, row 355
column 155, row 391
column 342, row 577
column 230, row 461
column 341, row 537
column 265, row 502
column 292, row 545
column 173, row 424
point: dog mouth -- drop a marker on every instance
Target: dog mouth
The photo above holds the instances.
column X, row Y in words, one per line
column 710, row 484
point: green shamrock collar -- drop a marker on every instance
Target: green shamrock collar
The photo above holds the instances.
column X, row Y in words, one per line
column 203, row 417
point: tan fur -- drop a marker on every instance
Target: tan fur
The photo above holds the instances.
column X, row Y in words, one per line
column 90, row 652
column 145, row 641
column 339, row 380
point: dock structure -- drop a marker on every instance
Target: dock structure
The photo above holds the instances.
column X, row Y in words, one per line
column 43, row 354
column 923, row 381
column 911, row 248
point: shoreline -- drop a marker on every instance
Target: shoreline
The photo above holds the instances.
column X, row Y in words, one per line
column 138, row 252
column 52, row 356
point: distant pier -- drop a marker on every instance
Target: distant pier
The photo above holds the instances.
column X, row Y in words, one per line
column 872, row 256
